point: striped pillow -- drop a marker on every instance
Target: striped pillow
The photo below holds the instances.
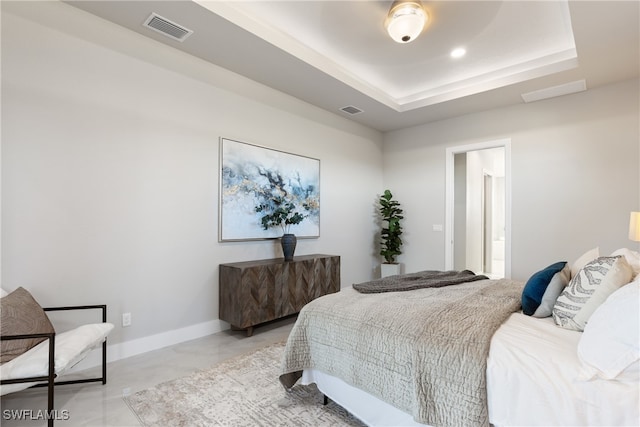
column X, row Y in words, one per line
column 588, row 289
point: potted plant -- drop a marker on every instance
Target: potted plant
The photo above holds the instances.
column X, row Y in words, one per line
column 390, row 243
column 280, row 211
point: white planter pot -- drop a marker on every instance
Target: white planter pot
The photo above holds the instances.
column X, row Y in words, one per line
column 390, row 269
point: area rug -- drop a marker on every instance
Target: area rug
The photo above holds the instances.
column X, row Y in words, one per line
column 242, row 391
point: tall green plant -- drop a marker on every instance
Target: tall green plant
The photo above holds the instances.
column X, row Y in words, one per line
column 391, row 228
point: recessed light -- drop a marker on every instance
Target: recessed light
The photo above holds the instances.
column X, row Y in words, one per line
column 458, row 52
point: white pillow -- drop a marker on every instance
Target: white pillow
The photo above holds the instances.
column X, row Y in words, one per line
column 633, row 258
column 610, row 345
column 585, row 258
column 70, row 347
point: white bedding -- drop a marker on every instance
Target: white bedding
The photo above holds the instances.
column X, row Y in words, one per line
column 532, row 379
column 533, row 375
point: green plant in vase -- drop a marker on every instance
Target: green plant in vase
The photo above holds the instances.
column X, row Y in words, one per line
column 280, row 210
column 279, row 213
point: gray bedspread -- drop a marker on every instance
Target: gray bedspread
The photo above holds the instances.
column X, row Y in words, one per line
column 413, row 281
column 423, row 351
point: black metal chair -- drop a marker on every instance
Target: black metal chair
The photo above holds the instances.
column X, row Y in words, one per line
column 49, row 380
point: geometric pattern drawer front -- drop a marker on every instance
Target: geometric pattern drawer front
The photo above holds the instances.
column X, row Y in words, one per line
column 254, row 292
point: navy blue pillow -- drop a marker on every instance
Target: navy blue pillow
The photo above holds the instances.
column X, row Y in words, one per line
column 536, row 285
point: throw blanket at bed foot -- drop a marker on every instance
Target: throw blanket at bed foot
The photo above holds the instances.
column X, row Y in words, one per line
column 423, row 351
column 413, row 281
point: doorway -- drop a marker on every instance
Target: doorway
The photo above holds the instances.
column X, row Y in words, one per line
column 478, row 216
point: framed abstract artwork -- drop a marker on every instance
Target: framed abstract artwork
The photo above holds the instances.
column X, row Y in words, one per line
column 252, row 176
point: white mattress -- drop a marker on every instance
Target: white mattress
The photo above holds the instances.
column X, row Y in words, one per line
column 532, row 379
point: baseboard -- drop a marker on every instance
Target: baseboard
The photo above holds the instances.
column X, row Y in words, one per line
column 153, row 342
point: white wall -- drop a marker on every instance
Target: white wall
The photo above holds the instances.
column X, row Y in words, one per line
column 110, row 172
column 575, row 176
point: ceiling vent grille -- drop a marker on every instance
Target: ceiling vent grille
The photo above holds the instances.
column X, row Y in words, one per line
column 166, row 27
column 351, row 110
column 552, row 92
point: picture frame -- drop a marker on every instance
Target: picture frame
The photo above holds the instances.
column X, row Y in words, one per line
column 250, row 175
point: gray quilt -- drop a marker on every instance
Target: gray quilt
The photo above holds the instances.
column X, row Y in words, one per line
column 423, row 351
column 413, row 281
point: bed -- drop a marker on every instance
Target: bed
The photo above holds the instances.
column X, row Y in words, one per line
column 466, row 354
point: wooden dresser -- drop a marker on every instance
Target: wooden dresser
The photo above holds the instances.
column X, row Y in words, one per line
column 254, row 292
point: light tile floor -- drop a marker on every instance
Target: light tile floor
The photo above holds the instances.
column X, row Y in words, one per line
column 95, row 405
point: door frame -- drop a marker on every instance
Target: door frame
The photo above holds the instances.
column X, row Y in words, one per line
column 449, row 196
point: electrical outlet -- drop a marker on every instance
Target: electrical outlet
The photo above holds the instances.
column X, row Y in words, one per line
column 126, row 319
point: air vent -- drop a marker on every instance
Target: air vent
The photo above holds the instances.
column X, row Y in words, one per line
column 351, row 110
column 552, row 92
column 166, row 27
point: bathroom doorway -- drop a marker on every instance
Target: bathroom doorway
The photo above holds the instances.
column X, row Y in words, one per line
column 478, row 216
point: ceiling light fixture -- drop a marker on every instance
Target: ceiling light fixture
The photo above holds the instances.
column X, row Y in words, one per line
column 405, row 20
column 458, row 52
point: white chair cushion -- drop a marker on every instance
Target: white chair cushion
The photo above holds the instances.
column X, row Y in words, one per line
column 70, row 348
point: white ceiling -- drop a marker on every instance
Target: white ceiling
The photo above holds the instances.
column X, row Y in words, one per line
column 336, row 53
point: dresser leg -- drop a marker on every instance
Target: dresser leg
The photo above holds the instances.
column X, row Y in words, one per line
column 248, row 330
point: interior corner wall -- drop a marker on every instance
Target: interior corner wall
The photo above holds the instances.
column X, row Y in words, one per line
column 575, row 176
column 110, row 171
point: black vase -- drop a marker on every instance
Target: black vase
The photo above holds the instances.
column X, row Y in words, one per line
column 288, row 242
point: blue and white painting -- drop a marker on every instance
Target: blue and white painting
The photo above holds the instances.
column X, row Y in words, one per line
column 250, row 175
